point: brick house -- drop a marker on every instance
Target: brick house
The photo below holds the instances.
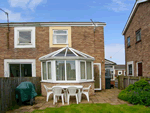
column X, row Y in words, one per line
column 137, row 40
column 29, row 42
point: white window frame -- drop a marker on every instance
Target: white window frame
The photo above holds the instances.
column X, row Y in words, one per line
column 55, row 42
column 19, row 61
column 65, row 71
column 128, row 63
column 16, row 37
column 85, row 70
column 119, row 71
column 47, row 69
column 91, row 70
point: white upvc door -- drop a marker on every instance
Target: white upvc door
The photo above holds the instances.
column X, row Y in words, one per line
column 97, row 76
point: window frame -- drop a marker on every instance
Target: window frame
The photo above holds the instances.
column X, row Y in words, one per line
column 24, row 45
column 47, row 69
column 138, row 32
column 19, row 61
column 85, row 70
column 55, row 42
column 130, row 63
column 65, row 71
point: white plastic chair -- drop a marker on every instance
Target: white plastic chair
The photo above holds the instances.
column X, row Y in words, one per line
column 86, row 92
column 72, row 91
column 57, row 92
column 48, row 92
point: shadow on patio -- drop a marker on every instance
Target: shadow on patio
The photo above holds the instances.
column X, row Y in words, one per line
column 104, row 96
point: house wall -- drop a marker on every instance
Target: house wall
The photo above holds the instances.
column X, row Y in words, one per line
column 140, row 51
column 83, row 39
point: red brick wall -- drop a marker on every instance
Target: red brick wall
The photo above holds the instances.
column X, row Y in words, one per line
column 82, row 40
column 140, row 51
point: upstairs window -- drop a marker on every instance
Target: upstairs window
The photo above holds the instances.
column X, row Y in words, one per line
column 60, row 36
column 138, row 35
column 128, row 41
column 24, row 37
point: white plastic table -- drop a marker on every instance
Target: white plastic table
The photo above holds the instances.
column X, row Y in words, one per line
column 79, row 87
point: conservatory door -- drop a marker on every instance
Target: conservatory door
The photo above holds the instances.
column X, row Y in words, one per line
column 97, row 76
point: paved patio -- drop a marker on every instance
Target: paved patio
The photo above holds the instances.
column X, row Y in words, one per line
column 104, row 96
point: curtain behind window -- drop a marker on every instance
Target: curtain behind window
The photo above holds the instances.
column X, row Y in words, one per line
column 70, row 65
column 49, row 70
column 89, row 70
column 44, row 70
column 14, row 70
column 60, row 70
column 82, row 69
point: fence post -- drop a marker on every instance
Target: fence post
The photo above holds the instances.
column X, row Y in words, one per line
column 118, row 82
column 128, row 80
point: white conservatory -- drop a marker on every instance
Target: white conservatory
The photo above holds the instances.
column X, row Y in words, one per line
column 67, row 66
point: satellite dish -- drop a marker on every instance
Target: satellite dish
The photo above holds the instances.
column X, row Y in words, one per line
column 110, row 56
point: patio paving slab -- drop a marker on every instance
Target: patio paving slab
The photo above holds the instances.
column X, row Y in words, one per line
column 104, row 96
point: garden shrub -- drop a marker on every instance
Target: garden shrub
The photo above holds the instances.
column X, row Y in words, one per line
column 137, row 93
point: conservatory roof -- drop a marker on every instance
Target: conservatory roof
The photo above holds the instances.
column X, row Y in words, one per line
column 67, row 53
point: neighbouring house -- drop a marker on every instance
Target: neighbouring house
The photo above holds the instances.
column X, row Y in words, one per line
column 137, row 40
column 61, row 53
column 113, row 70
column 110, row 70
column 119, row 70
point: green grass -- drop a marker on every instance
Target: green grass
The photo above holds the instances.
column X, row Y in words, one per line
column 96, row 108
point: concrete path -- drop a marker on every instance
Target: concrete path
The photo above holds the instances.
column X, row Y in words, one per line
column 104, row 96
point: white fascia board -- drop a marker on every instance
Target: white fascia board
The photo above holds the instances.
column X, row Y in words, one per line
column 131, row 14
column 53, row 24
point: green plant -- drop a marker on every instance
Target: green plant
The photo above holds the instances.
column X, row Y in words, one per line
column 137, row 93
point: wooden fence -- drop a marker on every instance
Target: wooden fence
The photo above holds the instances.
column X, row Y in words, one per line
column 7, row 90
column 125, row 81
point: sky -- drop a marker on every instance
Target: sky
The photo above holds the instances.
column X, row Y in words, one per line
column 113, row 12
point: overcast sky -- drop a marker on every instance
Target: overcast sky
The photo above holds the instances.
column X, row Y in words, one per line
column 114, row 12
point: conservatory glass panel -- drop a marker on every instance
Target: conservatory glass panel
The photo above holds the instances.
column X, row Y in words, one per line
column 79, row 54
column 69, row 53
column 44, row 70
column 62, row 53
column 60, row 70
column 89, row 70
column 70, row 68
column 82, row 68
column 49, row 70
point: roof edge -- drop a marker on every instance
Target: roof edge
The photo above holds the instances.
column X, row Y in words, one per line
column 14, row 24
column 131, row 14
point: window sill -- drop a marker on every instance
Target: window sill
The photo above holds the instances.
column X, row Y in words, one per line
column 60, row 44
column 24, row 46
column 128, row 46
column 48, row 81
column 138, row 41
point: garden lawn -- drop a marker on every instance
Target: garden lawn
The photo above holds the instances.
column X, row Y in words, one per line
column 96, row 108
